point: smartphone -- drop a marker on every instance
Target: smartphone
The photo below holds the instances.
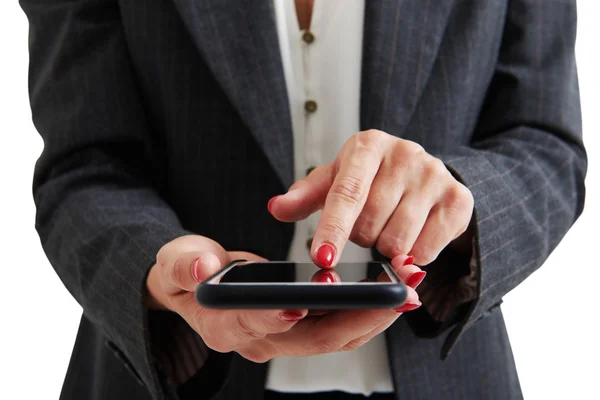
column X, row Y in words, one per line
column 273, row 285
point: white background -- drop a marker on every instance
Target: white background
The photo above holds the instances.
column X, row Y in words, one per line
column 550, row 317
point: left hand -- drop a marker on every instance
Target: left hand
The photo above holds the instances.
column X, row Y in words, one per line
column 380, row 191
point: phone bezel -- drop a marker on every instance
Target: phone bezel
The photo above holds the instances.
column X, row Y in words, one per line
column 296, row 295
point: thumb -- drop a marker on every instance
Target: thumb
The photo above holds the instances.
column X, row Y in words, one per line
column 304, row 197
column 187, row 260
column 191, row 268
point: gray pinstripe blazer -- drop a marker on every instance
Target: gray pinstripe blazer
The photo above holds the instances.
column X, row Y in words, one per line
column 166, row 117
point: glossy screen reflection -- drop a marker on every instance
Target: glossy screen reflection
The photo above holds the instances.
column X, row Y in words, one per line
column 285, row 272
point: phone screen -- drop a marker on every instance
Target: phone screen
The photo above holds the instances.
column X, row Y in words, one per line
column 305, row 273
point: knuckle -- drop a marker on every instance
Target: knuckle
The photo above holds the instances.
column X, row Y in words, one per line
column 369, row 142
column 355, row 344
column 369, row 138
column 364, row 232
column 397, row 167
column 457, row 205
column 391, row 246
column 425, row 254
column 376, row 133
column 434, row 168
column 364, row 236
column 349, row 190
column 335, row 228
column 413, row 148
column 243, row 330
column 459, row 198
column 404, row 155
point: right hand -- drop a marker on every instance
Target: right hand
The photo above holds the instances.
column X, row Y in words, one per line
column 257, row 335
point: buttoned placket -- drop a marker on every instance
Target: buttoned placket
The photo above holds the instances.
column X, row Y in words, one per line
column 322, row 69
column 311, row 108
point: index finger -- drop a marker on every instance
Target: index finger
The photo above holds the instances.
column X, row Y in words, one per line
column 345, row 200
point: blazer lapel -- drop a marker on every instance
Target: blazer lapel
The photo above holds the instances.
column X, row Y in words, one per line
column 401, row 40
column 238, row 40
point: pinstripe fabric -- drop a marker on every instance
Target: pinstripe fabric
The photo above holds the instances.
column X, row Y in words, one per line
column 169, row 117
column 180, row 352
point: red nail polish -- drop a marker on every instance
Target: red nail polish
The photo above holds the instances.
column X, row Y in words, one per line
column 325, row 255
column 415, row 279
column 291, row 316
column 195, row 271
column 409, row 260
column 326, row 277
column 270, row 203
column 406, row 307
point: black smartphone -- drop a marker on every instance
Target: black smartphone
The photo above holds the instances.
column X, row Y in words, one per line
column 273, row 285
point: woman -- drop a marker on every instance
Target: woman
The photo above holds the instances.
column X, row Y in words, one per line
column 180, row 135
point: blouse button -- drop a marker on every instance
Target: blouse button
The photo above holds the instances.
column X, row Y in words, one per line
column 310, row 106
column 308, row 37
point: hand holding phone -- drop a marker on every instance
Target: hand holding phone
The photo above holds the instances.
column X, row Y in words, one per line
column 256, row 334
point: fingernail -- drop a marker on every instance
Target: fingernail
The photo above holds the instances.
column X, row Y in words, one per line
column 291, row 316
column 406, row 307
column 325, row 255
column 409, row 260
column 415, row 279
column 270, row 203
column 195, row 268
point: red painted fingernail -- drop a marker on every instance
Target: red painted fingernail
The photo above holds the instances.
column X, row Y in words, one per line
column 270, row 203
column 325, row 255
column 409, row 260
column 406, row 307
column 195, row 272
column 291, row 316
column 415, row 279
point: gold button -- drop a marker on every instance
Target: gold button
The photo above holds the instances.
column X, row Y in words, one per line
column 308, row 37
column 309, row 170
column 310, row 106
column 309, row 243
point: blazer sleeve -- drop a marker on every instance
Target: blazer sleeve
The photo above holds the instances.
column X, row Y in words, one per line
column 99, row 215
column 526, row 164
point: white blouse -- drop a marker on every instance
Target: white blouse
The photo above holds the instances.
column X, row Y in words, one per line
column 322, row 69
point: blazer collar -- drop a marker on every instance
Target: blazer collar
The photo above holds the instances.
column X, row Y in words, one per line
column 238, row 40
